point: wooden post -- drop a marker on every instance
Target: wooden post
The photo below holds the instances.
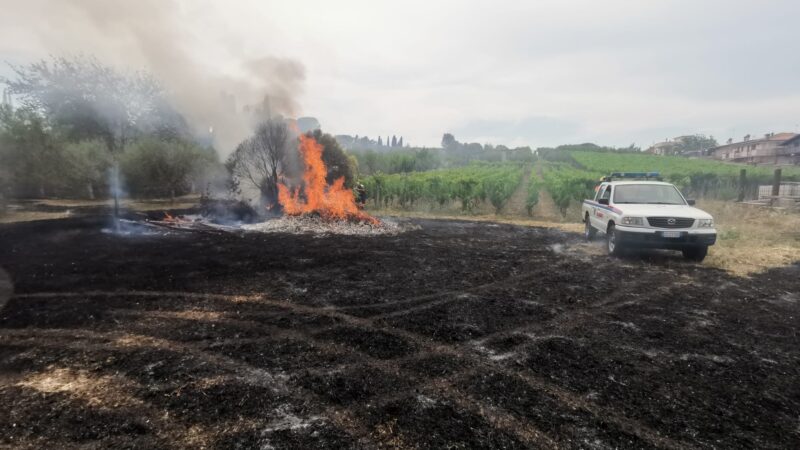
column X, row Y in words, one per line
column 776, row 183
column 742, row 183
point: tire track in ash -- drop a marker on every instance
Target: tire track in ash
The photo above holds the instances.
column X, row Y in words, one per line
column 419, row 302
column 356, row 428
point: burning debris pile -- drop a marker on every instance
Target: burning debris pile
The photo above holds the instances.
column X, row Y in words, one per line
column 318, row 208
column 311, row 207
column 330, row 203
column 316, row 224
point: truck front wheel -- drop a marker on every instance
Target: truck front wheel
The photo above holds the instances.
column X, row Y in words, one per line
column 588, row 230
column 695, row 253
column 613, row 245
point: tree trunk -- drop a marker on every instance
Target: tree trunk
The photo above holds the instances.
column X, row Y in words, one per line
column 90, row 190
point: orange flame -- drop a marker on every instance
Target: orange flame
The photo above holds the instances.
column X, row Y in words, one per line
column 169, row 218
column 334, row 202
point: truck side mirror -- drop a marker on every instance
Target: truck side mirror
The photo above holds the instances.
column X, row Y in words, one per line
column 602, row 201
column 690, row 201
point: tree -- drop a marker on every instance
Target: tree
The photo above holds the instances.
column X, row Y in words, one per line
column 259, row 159
column 694, row 143
column 371, row 161
column 154, row 167
column 89, row 100
column 86, row 166
column 394, row 141
column 335, row 159
column 449, row 142
column 400, row 141
column 30, row 153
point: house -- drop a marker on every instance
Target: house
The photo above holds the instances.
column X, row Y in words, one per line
column 668, row 147
column 689, row 145
column 772, row 149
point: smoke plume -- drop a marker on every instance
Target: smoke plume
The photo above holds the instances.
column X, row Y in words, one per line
column 150, row 35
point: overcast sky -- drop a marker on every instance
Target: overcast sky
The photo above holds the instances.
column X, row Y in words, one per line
column 507, row 72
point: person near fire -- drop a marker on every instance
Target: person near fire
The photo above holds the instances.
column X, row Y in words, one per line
column 361, row 195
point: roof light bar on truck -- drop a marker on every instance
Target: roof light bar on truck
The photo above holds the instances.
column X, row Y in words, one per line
column 633, row 175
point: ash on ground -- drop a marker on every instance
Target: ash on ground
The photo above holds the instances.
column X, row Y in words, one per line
column 316, row 225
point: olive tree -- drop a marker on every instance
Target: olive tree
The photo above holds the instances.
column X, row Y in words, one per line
column 259, row 160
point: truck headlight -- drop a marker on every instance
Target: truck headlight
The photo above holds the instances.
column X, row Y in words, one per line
column 706, row 223
column 632, row 221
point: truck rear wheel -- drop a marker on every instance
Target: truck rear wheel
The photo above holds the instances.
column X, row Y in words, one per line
column 588, row 230
column 612, row 244
column 695, row 253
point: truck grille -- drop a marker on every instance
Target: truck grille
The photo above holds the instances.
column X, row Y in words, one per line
column 670, row 222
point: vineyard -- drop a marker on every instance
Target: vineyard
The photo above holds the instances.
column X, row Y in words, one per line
column 468, row 186
column 569, row 179
column 567, row 184
column 696, row 177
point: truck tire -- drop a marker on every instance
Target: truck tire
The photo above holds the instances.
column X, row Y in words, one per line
column 613, row 247
column 695, row 253
column 589, row 232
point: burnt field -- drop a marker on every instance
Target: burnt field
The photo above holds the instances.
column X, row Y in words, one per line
column 457, row 334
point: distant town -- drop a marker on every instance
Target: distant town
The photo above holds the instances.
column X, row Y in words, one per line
column 770, row 149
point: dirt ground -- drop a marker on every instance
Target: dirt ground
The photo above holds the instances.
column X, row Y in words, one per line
column 455, row 335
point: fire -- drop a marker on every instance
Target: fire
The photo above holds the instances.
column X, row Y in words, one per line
column 175, row 220
column 332, row 202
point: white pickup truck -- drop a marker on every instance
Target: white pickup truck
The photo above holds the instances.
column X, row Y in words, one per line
column 647, row 214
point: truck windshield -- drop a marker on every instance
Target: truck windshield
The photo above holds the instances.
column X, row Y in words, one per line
column 658, row 194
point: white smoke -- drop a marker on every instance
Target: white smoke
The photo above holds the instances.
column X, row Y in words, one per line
column 151, row 35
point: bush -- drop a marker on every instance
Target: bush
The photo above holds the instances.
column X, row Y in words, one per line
column 86, row 166
column 156, row 168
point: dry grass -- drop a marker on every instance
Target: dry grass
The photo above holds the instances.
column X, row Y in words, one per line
column 751, row 238
column 27, row 216
column 25, row 210
column 136, row 205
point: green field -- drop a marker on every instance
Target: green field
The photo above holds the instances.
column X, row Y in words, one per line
column 671, row 166
column 491, row 182
column 569, row 180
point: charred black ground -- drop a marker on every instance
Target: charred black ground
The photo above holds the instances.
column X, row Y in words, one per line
column 458, row 334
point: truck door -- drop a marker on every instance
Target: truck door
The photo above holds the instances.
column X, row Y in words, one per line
column 599, row 215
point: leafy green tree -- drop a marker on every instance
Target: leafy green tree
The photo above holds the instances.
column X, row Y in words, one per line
column 30, row 153
column 86, row 166
column 154, row 167
column 695, row 143
column 449, row 142
column 370, row 159
column 335, row 159
column 90, row 100
column 87, row 100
